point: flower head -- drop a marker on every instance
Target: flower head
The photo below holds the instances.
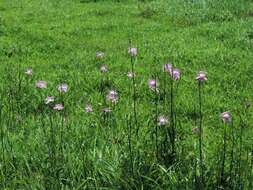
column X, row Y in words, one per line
column 58, row 107
column 112, row 96
column 162, row 120
column 201, row 76
column 100, row 54
column 88, row 108
column 153, row 84
column 132, row 51
column 225, row 116
column 130, row 74
column 103, row 68
column 29, row 71
column 167, row 67
column 176, row 74
column 63, row 88
column 41, row 84
column 49, row 99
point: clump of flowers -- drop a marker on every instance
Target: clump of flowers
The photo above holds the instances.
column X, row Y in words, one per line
column 162, row 120
column 41, row 84
column 201, row 76
column 29, row 71
column 112, row 96
column 58, row 107
column 63, row 88
column 132, row 51
column 225, row 116
column 49, row 99
column 88, row 108
column 174, row 72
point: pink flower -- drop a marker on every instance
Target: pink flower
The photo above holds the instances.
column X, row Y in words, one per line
column 162, row 120
column 225, row 116
column 49, row 99
column 88, row 108
column 29, row 71
column 100, row 54
column 176, row 74
column 103, row 68
column 41, row 84
column 167, row 67
column 201, row 76
column 106, row 110
column 130, row 74
column 58, row 107
column 152, row 83
column 132, row 51
column 63, row 88
column 112, row 96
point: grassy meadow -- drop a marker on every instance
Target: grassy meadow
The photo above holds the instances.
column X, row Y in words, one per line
column 117, row 119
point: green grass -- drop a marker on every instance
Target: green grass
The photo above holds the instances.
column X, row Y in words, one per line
column 59, row 40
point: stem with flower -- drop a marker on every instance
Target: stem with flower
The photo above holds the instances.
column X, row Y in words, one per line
column 223, row 154
column 200, row 135
column 201, row 77
column 231, row 167
column 133, row 60
column 172, row 115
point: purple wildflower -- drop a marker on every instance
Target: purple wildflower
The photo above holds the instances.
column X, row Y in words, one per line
column 49, row 99
column 41, row 84
column 162, row 120
column 201, row 76
column 132, row 51
column 58, row 107
column 167, row 67
column 63, row 88
column 112, row 96
column 152, row 83
column 176, row 74
column 225, row 116
column 130, row 74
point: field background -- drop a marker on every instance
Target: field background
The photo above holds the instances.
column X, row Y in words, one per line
column 59, row 40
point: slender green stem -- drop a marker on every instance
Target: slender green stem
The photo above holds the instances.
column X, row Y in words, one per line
column 156, row 118
column 232, row 155
column 129, row 124
column 3, row 146
column 172, row 116
column 223, row 155
column 201, row 136
column 134, row 97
